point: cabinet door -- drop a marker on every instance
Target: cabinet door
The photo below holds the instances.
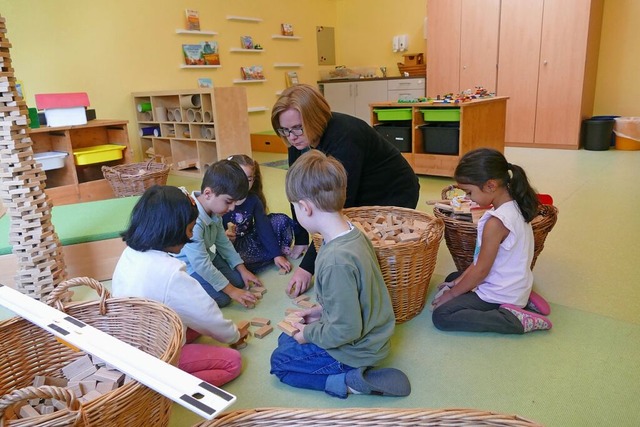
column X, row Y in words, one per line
column 443, row 46
column 563, row 49
column 368, row 93
column 519, row 59
column 341, row 97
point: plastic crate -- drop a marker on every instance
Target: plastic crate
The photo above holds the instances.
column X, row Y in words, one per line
column 98, row 154
column 51, row 159
column 441, row 138
column 393, row 114
column 398, row 134
column 441, row 114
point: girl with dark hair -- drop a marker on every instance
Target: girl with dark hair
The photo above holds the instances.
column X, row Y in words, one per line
column 161, row 224
column 494, row 294
column 260, row 238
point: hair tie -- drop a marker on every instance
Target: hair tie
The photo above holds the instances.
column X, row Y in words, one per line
column 186, row 193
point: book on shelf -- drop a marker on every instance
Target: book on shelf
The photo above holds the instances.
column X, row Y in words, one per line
column 253, row 72
column 286, row 29
column 291, row 78
column 205, row 53
column 193, row 20
column 246, row 42
column 205, row 83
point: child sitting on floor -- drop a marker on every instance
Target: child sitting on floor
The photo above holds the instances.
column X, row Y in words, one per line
column 161, row 223
column 260, row 238
column 492, row 294
column 349, row 331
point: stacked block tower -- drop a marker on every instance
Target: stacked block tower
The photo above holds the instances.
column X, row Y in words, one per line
column 22, row 182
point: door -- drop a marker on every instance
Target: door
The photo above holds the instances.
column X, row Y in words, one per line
column 367, row 93
column 443, row 46
column 341, row 97
column 518, row 63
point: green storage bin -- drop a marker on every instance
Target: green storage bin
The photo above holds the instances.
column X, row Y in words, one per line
column 441, row 114
column 393, row 114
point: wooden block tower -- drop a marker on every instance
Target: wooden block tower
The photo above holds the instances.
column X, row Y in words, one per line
column 35, row 243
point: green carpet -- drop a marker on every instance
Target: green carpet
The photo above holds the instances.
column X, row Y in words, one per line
column 278, row 164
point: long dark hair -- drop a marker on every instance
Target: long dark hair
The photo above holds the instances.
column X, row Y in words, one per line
column 256, row 188
column 479, row 166
column 160, row 219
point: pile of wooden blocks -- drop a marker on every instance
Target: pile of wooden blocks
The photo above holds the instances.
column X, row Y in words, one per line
column 390, row 229
column 86, row 377
column 35, row 243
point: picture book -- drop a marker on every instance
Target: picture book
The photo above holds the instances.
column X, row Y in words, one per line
column 253, row 72
column 193, row 20
column 286, row 29
column 291, row 78
column 205, row 53
column 246, row 42
column 205, row 83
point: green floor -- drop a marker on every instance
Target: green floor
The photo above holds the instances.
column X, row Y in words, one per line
column 584, row 372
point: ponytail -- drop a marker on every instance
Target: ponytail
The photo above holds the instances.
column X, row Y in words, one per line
column 522, row 192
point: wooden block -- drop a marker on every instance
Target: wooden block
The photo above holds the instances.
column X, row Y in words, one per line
column 410, row 237
column 260, row 321
column 243, row 325
column 288, row 328
column 258, row 295
column 302, row 298
column 289, row 311
column 282, row 272
column 263, row 331
column 87, row 385
column 306, row 304
column 420, row 224
column 106, row 386
column 27, row 411
column 104, row 374
column 55, row 381
column 47, row 409
column 78, row 366
column 93, row 394
column 260, row 289
column 39, row 380
column 293, row 319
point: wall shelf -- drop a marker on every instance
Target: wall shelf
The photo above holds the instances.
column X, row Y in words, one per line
column 239, row 49
column 256, row 109
column 243, row 18
column 200, row 66
column 287, row 65
column 200, row 32
column 249, row 81
column 280, row 37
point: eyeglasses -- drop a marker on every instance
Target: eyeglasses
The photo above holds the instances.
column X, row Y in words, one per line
column 296, row 131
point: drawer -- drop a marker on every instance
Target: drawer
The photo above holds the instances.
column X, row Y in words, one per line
column 406, row 84
column 395, row 95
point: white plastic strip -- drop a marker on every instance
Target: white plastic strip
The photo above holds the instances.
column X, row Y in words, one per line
column 194, row 394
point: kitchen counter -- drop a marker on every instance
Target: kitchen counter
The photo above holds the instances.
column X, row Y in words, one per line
column 367, row 79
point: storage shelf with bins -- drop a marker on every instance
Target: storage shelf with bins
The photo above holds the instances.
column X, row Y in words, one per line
column 79, row 178
column 193, row 128
column 481, row 124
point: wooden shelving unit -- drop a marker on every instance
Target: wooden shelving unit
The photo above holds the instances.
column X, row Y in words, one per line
column 481, row 124
column 74, row 183
column 196, row 127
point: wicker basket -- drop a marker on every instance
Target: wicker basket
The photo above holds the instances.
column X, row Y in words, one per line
column 132, row 179
column 27, row 351
column 460, row 236
column 354, row 417
column 73, row 416
column 406, row 266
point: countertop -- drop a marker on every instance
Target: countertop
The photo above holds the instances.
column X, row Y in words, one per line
column 338, row 80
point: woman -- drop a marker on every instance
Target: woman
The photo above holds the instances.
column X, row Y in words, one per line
column 377, row 173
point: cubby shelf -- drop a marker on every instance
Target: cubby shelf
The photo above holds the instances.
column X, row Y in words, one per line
column 243, row 18
column 239, row 49
column 240, row 81
column 200, row 66
column 197, row 32
column 287, row 65
column 280, row 37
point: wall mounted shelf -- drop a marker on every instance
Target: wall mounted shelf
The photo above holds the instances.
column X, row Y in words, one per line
column 239, row 49
column 256, row 109
column 249, row 81
column 196, row 32
column 277, row 36
column 287, row 65
column 243, row 18
column 200, row 66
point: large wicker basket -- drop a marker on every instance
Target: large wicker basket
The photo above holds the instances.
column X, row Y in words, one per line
column 132, row 179
column 460, row 236
column 354, row 417
column 28, row 350
column 406, row 266
column 73, row 416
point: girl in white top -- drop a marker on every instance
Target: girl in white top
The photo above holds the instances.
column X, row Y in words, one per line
column 493, row 293
column 161, row 224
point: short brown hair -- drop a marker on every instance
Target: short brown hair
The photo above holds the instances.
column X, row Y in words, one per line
column 313, row 108
column 318, row 178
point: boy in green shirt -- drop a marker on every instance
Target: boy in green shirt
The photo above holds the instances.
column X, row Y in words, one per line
column 349, row 331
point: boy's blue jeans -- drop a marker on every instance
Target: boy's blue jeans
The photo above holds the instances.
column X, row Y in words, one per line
column 308, row 366
column 232, row 276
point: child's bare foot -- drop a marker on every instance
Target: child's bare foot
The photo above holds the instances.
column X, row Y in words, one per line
column 297, row 251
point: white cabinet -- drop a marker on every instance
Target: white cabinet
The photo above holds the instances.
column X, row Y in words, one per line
column 403, row 89
column 353, row 98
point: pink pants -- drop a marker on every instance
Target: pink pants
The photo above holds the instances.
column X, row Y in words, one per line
column 215, row 365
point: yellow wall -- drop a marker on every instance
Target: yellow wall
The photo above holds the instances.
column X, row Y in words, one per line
column 112, row 48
